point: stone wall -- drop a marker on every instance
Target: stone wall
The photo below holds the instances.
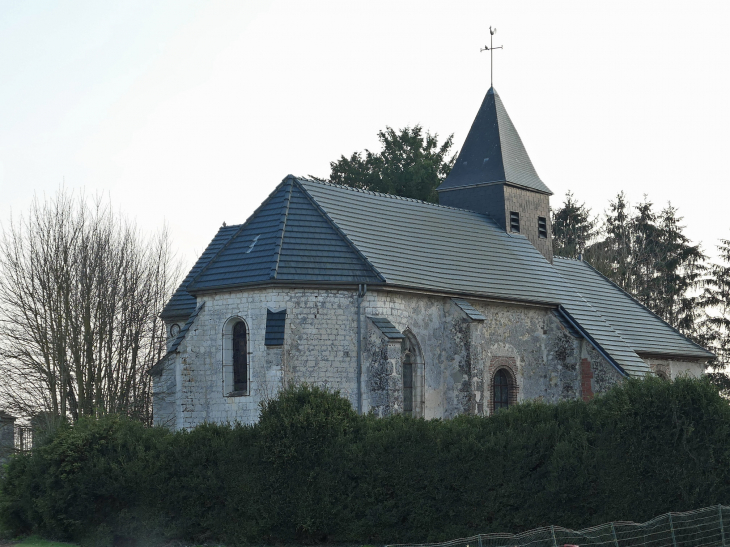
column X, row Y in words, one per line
column 672, row 368
column 455, row 359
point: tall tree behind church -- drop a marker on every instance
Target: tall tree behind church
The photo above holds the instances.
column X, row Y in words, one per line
column 411, row 164
column 573, row 228
column 717, row 324
column 80, row 295
column 644, row 252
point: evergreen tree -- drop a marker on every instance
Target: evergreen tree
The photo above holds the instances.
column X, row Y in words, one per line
column 717, row 301
column 573, row 227
column 411, row 164
column 649, row 256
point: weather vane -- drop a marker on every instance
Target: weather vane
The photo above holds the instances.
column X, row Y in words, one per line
column 491, row 49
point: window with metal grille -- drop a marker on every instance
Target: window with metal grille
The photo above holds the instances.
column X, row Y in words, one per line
column 542, row 227
column 501, row 389
column 240, row 358
column 408, row 384
column 514, row 221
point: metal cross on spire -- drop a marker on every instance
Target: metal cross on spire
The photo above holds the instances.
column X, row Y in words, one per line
column 491, row 49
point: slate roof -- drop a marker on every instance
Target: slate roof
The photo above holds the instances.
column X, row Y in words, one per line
column 416, row 244
column 182, row 304
column 315, row 232
column 468, row 309
column 387, row 328
column 645, row 332
column 156, row 370
column 493, row 152
column 288, row 238
column 275, row 323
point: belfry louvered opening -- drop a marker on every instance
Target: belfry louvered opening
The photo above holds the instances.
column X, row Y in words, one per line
column 514, row 221
column 542, row 227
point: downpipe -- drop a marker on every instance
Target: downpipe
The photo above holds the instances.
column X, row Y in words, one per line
column 362, row 290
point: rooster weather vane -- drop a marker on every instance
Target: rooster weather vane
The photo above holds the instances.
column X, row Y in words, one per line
column 490, row 48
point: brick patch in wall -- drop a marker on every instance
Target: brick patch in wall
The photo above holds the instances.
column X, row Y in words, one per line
column 586, row 375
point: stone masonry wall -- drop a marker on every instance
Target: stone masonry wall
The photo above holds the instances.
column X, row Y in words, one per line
column 530, row 205
column 673, row 368
column 453, row 374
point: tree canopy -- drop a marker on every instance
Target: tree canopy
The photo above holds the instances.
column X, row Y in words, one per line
column 80, row 295
column 646, row 253
column 411, row 164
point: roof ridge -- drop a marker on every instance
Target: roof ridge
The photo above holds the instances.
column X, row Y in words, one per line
column 282, row 223
column 240, row 227
column 339, row 230
column 382, row 194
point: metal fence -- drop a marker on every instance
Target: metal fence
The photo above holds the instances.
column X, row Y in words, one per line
column 700, row 528
column 23, row 438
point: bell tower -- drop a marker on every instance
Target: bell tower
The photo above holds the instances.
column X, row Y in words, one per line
column 494, row 175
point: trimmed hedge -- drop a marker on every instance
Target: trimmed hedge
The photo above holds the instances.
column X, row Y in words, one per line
column 312, row 470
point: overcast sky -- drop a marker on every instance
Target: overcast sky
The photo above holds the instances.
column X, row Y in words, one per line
column 190, row 113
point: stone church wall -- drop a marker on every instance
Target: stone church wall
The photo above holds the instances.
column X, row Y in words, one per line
column 458, row 357
column 672, row 368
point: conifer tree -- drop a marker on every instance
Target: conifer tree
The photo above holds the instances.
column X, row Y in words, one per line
column 573, row 227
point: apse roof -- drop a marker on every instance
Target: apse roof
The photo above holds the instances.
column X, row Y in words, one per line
column 493, row 152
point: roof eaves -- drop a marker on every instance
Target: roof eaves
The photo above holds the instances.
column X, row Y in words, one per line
column 493, row 183
column 276, row 283
column 709, row 354
column 592, row 341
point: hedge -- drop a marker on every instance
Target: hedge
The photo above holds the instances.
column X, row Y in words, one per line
column 312, row 470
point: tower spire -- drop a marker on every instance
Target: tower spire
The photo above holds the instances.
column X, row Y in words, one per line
column 491, row 49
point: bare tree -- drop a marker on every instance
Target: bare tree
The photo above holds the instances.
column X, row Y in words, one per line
column 80, row 294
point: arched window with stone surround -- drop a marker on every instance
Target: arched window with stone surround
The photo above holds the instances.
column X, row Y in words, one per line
column 413, row 376
column 236, row 366
column 501, row 389
column 502, row 380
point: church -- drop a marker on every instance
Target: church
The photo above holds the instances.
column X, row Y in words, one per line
column 403, row 306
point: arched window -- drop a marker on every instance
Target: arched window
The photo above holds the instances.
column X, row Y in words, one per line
column 240, row 358
column 236, row 359
column 502, row 389
column 413, row 371
column 662, row 374
column 408, row 384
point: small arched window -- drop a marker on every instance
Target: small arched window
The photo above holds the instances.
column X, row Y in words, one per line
column 240, row 358
column 662, row 374
column 236, row 358
column 502, row 389
column 408, row 384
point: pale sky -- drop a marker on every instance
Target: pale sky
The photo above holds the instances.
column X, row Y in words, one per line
column 190, row 112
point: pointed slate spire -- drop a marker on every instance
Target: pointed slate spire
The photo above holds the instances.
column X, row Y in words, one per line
column 493, row 152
